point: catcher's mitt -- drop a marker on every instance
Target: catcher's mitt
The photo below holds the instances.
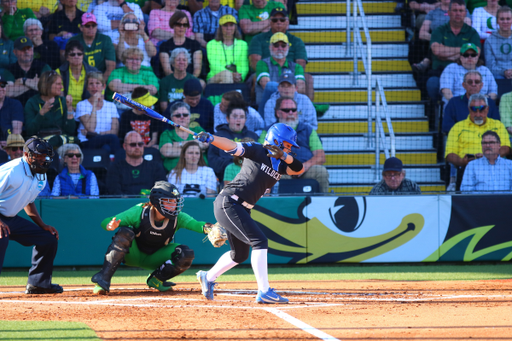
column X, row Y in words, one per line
column 216, row 234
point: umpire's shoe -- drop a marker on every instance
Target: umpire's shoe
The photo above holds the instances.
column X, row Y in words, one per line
column 53, row 289
column 270, row 297
column 206, row 286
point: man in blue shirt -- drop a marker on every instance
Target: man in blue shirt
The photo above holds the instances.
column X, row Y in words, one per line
column 489, row 172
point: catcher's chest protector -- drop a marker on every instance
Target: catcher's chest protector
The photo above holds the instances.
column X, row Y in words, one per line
column 151, row 237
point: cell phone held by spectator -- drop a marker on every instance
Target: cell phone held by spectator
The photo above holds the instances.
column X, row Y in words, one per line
column 231, row 67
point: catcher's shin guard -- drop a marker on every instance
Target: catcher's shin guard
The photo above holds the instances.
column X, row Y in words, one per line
column 120, row 246
column 181, row 260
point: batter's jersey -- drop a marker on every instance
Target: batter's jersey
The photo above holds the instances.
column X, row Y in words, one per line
column 258, row 175
column 18, row 187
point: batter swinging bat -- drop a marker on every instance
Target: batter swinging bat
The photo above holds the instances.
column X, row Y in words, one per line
column 151, row 113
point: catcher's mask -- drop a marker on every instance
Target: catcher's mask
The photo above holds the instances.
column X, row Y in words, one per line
column 39, row 154
column 279, row 133
column 164, row 193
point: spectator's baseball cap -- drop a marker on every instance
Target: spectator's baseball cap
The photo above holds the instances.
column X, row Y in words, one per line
column 288, row 77
column 22, row 42
column 227, row 18
column 87, row 18
column 142, row 96
column 393, row 164
column 279, row 11
column 468, row 46
column 279, row 36
column 2, row 80
column 15, row 140
column 192, row 87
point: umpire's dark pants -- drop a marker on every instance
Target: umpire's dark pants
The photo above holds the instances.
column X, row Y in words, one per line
column 45, row 248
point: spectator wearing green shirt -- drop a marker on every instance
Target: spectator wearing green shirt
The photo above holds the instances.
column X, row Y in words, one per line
column 311, row 152
column 255, row 18
column 132, row 75
column 171, row 86
column 270, row 69
column 259, row 47
column 446, row 42
column 14, row 18
column 98, row 48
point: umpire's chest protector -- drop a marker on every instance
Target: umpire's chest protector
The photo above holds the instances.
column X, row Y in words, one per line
column 151, row 237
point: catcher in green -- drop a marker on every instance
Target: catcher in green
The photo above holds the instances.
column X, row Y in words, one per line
column 144, row 235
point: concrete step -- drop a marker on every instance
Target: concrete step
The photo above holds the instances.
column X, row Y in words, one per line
column 330, row 66
column 347, row 95
column 358, row 143
column 366, row 158
column 351, row 189
column 366, row 176
column 361, row 127
column 360, row 111
column 338, row 51
column 397, row 80
column 340, row 22
column 334, row 36
column 340, row 7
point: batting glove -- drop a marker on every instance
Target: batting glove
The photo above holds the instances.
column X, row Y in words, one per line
column 204, row 137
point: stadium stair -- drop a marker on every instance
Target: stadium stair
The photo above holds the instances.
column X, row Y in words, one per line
column 322, row 27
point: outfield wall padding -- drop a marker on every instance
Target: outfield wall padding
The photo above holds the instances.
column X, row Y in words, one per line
column 370, row 229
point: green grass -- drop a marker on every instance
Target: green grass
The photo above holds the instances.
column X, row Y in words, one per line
column 45, row 330
column 395, row 272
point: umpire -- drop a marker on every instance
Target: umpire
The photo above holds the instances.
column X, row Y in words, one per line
column 21, row 181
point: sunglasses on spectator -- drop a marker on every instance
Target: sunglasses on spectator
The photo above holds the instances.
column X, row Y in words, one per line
column 74, row 54
column 280, row 44
column 274, row 20
column 70, row 155
column 478, row 109
column 181, row 25
column 288, row 110
column 180, row 115
column 136, row 144
column 90, row 26
column 15, row 149
column 467, row 55
column 489, row 142
column 3, row 85
column 475, row 82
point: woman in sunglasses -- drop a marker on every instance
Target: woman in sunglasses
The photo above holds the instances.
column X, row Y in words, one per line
column 74, row 180
column 99, row 120
column 180, row 23
column 227, row 54
column 73, row 71
column 171, row 141
column 192, row 176
column 131, row 34
column 158, row 25
column 453, row 75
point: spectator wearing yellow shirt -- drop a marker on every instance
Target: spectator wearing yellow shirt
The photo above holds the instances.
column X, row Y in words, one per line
column 41, row 8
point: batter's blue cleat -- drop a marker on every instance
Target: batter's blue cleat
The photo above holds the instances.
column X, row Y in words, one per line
column 270, row 297
column 206, row 286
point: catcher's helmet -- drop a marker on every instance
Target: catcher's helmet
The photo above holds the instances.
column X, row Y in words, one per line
column 37, row 146
column 162, row 192
column 279, row 133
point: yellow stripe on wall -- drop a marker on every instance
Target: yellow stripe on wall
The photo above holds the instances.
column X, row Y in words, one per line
column 361, row 96
column 361, row 159
column 337, row 36
column 341, row 8
column 347, row 66
column 362, row 127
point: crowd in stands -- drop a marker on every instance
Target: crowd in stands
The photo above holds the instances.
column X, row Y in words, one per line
column 461, row 56
column 62, row 62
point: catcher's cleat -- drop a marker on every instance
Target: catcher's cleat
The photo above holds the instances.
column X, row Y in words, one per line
column 206, row 286
column 270, row 297
column 159, row 285
column 98, row 279
column 99, row 290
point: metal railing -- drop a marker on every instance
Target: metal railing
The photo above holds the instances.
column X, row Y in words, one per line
column 380, row 135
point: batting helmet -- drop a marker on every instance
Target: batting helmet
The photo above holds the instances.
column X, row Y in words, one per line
column 37, row 146
column 279, row 133
column 163, row 192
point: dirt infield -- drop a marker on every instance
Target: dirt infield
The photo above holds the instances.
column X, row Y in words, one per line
column 326, row 310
